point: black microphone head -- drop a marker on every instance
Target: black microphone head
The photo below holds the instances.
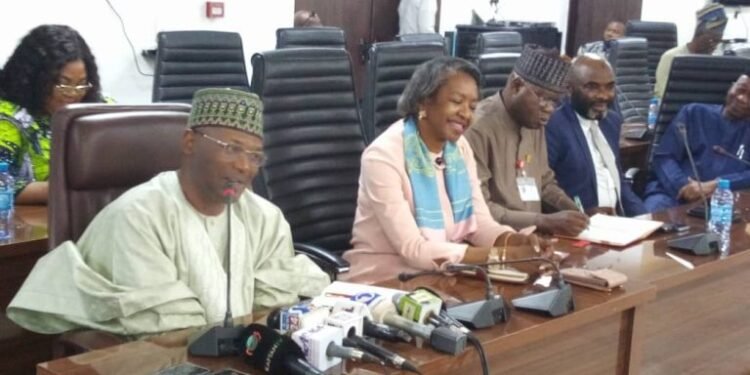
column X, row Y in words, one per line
column 264, row 348
column 273, row 319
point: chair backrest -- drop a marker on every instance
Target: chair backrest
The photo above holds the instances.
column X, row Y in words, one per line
column 421, row 37
column 313, row 140
column 322, row 36
column 99, row 151
column 499, row 41
column 661, row 36
column 187, row 61
column 495, row 68
column 696, row 79
column 389, row 68
column 629, row 59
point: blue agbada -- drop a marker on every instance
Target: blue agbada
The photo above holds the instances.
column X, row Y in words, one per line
column 706, row 128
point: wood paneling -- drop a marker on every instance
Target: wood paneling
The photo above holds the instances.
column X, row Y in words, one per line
column 588, row 18
column 363, row 21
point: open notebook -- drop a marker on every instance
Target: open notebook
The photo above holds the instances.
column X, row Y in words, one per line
column 616, row 230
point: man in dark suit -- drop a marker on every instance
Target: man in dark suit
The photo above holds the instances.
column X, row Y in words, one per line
column 583, row 142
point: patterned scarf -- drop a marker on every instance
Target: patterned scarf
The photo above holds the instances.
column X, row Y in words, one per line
column 428, row 212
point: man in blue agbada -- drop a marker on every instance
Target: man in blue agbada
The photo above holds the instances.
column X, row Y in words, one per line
column 711, row 130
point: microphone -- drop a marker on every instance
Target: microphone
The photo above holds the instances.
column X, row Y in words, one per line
column 701, row 243
column 439, row 161
column 442, row 339
column 425, row 306
column 221, row 341
column 384, row 332
column 383, row 353
column 321, row 346
column 722, row 151
column 267, row 350
column 488, row 312
column 554, row 302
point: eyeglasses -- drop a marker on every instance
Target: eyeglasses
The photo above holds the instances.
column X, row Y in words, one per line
column 234, row 152
column 73, row 90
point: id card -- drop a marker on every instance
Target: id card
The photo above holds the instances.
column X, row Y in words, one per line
column 527, row 188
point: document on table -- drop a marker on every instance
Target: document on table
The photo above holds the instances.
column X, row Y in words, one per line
column 616, row 230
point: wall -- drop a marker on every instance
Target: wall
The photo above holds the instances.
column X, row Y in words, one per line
column 682, row 13
column 143, row 19
column 458, row 12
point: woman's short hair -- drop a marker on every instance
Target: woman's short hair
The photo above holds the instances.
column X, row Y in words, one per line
column 428, row 78
column 32, row 71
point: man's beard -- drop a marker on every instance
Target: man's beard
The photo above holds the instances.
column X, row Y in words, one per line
column 586, row 109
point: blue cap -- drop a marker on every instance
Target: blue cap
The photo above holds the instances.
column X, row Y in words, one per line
column 723, row 183
column 3, row 166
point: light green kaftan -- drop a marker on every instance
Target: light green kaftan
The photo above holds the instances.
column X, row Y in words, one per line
column 149, row 263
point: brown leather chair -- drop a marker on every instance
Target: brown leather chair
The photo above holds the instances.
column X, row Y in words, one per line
column 98, row 152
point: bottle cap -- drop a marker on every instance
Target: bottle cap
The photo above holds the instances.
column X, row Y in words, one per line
column 723, row 183
column 3, row 166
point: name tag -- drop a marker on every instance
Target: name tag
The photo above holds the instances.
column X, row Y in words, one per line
column 527, row 188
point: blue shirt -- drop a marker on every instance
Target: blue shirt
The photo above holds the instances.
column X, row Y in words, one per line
column 706, row 127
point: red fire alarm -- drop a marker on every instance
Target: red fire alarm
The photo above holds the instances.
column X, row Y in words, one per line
column 214, row 9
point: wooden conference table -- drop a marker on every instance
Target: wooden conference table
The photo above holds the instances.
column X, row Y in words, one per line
column 678, row 314
column 21, row 349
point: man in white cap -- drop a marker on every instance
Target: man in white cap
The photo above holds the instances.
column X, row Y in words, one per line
column 154, row 260
column 711, row 21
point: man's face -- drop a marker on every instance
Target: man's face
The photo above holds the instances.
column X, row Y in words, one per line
column 221, row 158
column 737, row 105
column 614, row 30
column 530, row 105
column 593, row 89
column 706, row 42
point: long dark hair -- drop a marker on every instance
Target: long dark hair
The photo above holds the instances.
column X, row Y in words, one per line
column 30, row 74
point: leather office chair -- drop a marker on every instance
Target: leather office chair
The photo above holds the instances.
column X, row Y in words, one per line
column 389, row 68
column 99, row 151
column 696, row 79
column 187, row 61
column 629, row 60
column 661, row 36
column 692, row 79
column 313, row 141
column 495, row 69
column 323, row 36
column 499, row 41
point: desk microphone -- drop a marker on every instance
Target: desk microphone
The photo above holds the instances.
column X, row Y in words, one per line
column 554, row 302
column 702, row 243
column 723, row 152
column 484, row 313
column 223, row 340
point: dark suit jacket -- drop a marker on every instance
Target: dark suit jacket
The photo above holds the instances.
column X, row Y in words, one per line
column 570, row 158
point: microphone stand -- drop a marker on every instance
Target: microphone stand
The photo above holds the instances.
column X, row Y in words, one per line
column 704, row 243
column 483, row 313
column 723, row 152
column 220, row 341
column 554, row 302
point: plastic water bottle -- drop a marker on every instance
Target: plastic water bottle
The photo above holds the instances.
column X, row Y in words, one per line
column 653, row 111
column 722, row 206
column 6, row 202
